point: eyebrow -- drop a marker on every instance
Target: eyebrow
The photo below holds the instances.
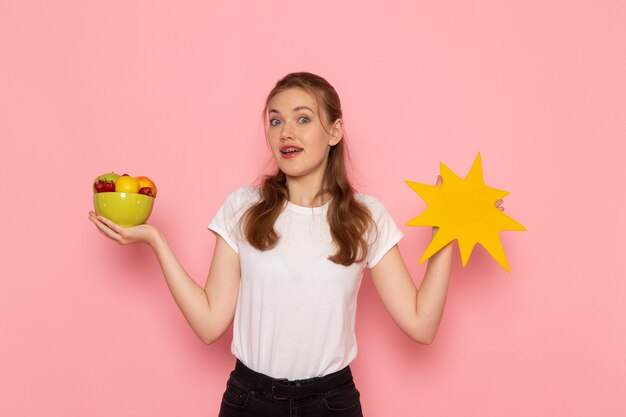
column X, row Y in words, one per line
column 294, row 109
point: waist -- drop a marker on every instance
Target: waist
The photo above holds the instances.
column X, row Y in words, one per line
column 284, row 389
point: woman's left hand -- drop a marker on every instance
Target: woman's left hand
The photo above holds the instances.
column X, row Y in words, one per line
column 439, row 183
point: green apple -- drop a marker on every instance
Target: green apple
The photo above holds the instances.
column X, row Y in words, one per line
column 111, row 176
column 105, row 183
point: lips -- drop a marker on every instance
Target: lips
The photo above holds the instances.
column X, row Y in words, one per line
column 290, row 151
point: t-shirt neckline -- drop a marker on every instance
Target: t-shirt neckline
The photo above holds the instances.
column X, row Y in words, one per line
column 307, row 210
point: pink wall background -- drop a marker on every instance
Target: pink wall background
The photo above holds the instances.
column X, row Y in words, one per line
column 173, row 90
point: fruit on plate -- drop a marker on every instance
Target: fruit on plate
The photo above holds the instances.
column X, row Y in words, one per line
column 113, row 182
column 111, row 176
column 147, row 186
column 124, row 199
column 105, row 183
column 145, row 191
column 102, row 186
column 127, row 184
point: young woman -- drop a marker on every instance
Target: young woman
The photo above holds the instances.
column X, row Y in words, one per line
column 288, row 263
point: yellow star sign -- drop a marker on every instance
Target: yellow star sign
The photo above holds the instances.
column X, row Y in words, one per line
column 465, row 210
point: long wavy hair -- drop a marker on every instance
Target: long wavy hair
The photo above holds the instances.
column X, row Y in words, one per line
column 350, row 221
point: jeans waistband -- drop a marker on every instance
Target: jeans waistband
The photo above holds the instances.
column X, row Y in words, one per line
column 283, row 389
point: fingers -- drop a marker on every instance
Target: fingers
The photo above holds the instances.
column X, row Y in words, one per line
column 439, row 183
column 111, row 225
column 104, row 229
column 107, row 227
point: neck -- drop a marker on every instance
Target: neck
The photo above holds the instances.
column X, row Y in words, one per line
column 304, row 191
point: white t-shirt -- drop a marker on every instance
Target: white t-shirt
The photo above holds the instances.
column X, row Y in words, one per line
column 296, row 309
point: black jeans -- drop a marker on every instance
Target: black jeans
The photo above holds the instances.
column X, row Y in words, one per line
column 251, row 394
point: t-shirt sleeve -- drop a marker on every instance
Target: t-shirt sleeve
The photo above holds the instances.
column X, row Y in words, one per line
column 386, row 235
column 226, row 222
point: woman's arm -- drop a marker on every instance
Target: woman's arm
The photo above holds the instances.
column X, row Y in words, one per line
column 209, row 310
column 417, row 312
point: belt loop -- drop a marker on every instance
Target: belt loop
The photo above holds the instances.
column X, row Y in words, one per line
column 321, row 387
column 298, row 386
column 259, row 383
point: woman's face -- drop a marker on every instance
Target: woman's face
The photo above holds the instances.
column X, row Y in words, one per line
column 299, row 134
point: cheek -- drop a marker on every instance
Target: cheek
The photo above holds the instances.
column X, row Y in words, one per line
column 271, row 138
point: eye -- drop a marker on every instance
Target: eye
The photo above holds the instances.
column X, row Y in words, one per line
column 303, row 120
column 274, row 122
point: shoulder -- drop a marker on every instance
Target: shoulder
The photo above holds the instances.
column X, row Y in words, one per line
column 367, row 199
column 242, row 197
column 386, row 233
column 373, row 204
column 380, row 215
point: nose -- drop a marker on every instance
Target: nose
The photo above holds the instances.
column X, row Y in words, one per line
column 286, row 133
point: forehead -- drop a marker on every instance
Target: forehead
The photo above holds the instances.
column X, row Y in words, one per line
column 292, row 98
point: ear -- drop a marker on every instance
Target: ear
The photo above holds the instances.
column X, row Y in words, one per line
column 336, row 132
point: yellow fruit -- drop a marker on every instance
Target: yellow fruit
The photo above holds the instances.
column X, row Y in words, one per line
column 147, row 182
column 127, row 184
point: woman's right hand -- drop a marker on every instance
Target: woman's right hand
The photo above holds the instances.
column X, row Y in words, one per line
column 144, row 233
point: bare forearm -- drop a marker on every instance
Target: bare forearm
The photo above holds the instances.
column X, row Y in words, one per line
column 188, row 295
column 208, row 316
column 416, row 311
column 432, row 293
